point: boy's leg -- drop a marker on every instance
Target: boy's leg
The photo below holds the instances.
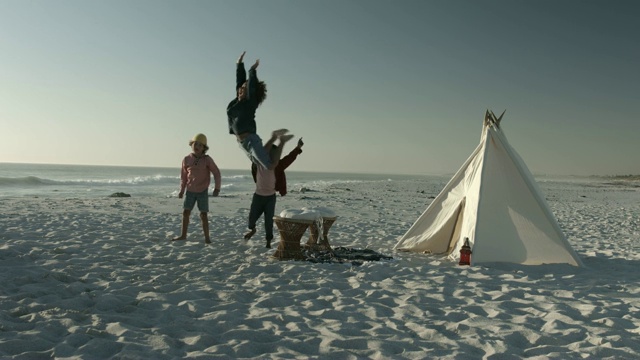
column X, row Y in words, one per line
column 252, row 145
column 185, row 224
column 254, row 215
column 269, row 211
column 205, row 227
column 188, row 204
column 203, row 206
column 257, row 209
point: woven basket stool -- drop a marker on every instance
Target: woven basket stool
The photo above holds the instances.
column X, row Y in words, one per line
column 291, row 231
column 316, row 242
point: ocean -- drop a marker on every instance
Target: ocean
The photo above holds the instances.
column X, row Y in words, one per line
column 85, row 181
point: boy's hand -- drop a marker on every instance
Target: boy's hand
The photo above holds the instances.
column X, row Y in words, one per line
column 255, row 66
column 300, row 143
column 241, row 58
column 216, row 192
column 180, row 194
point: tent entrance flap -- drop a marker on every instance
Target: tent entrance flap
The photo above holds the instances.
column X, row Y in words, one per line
column 455, row 234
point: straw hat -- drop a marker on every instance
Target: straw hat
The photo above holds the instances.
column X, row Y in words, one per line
column 201, row 138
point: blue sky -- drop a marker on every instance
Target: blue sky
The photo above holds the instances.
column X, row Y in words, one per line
column 371, row 86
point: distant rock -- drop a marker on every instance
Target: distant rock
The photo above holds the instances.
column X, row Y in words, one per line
column 119, row 194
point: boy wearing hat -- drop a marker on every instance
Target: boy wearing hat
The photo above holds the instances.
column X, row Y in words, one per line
column 195, row 178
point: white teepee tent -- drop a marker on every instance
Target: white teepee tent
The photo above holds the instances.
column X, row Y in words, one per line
column 495, row 202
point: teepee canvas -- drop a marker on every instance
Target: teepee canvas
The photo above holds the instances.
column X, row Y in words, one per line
column 495, row 202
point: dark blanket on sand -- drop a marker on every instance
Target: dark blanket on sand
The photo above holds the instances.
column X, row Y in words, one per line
column 343, row 254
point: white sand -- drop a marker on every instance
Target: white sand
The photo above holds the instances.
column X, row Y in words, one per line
column 98, row 279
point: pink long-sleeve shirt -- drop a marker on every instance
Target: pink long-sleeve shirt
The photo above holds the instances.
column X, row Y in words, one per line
column 196, row 173
column 265, row 182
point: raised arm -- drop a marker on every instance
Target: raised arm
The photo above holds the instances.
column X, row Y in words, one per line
column 252, row 84
column 285, row 161
column 241, row 74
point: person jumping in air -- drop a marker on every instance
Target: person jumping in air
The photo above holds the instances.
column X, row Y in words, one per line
column 241, row 116
column 195, row 178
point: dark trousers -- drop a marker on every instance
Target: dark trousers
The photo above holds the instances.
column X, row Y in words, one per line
column 263, row 205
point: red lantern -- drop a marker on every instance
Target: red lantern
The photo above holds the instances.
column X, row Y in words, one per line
column 465, row 253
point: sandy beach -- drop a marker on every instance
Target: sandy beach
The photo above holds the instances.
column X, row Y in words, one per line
column 98, row 278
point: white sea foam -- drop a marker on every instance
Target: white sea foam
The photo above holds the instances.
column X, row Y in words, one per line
column 70, row 180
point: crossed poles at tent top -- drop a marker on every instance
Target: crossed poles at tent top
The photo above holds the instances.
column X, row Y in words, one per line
column 490, row 118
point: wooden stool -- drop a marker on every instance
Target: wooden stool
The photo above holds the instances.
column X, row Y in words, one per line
column 323, row 244
column 291, row 231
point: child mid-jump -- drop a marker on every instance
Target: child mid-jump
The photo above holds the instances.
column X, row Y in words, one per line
column 195, row 178
column 241, row 117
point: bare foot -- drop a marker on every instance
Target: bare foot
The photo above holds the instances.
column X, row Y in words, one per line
column 249, row 234
column 207, row 241
column 279, row 132
column 179, row 238
column 285, row 138
column 268, row 244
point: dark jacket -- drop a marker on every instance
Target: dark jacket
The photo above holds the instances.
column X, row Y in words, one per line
column 281, row 178
column 241, row 115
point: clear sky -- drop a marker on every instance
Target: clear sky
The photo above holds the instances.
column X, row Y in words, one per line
column 372, row 86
